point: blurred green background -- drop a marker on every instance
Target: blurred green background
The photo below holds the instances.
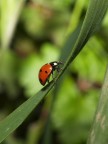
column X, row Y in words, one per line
column 33, row 33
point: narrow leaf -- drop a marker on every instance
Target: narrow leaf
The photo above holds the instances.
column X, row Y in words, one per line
column 10, row 11
column 10, row 123
column 99, row 132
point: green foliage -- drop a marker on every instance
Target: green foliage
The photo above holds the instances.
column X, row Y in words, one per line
column 55, row 4
column 7, row 75
column 41, row 30
column 86, row 66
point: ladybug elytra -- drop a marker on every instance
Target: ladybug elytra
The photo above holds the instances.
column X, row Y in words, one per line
column 48, row 69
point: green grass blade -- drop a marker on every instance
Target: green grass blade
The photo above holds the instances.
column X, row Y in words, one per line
column 99, row 132
column 11, row 122
column 10, row 11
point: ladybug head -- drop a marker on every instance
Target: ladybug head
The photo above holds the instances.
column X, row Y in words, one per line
column 55, row 65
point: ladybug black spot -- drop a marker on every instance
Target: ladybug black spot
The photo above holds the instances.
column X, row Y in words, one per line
column 46, row 72
column 40, row 70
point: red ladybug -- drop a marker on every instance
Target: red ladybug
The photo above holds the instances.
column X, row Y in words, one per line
column 48, row 69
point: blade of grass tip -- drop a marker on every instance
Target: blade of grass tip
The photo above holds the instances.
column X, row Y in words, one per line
column 99, row 131
column 11, row 122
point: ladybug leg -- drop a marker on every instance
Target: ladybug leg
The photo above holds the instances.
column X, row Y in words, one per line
column 52, row 75
column 59, row 69
column 48, row 80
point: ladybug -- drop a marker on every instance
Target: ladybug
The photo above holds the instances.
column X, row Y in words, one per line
column 48, row 69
